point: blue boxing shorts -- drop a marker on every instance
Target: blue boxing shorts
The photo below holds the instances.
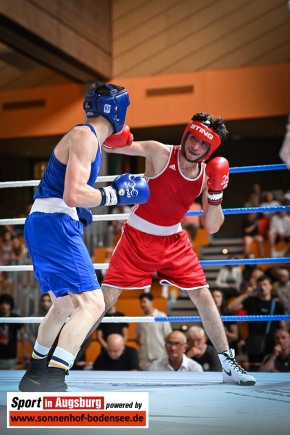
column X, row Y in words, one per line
column 60, row 258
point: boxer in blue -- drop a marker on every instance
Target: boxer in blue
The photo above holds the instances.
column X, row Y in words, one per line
column 53, row 233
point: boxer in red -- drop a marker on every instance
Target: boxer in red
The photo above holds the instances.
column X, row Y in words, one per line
column 153, row 240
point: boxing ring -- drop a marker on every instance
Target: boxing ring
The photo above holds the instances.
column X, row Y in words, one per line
column 179, row 402
column 183, row 403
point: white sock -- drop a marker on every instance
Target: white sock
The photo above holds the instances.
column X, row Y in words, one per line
column 61, row 359
column 39, row 351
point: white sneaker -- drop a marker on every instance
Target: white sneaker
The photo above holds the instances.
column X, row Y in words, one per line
column 232, row 371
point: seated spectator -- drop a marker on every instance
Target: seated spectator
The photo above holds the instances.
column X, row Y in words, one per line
column 279, row 359
column 151, row 336
column 281, row 288
column 6, row 249
column 191, row 224
column 229, row 279
column 175, row 360
column 201, row 352
column 117, row 356
column 251, row 274
column 279, row 231
column 251, row 234
column 106, row 329
column 259, row 301
column 9, row 335
column 264, row 223
column 231, row 328
column 254, row 197
column 44, row 306
column 117, row 224
column 18, row 251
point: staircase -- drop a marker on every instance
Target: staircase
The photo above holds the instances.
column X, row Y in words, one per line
column 220, row 249
column 216, row 249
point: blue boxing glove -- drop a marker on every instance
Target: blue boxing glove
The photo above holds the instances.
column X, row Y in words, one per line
column 85, row 216
column 125, row 190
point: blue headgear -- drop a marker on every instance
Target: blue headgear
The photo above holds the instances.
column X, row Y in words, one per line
column 109, row 101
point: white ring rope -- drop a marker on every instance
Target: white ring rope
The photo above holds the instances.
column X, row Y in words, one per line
column 158, row 319
column 29, row 267
column 116, row 319
column 33, row 183
column 96, row 217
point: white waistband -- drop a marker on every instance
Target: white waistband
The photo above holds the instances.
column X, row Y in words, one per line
column 53, row 205
column 149, row 228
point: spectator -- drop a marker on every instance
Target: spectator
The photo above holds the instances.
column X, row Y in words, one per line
column 255, row 196
column 229, row 279
column 6, row 249
column 279, row 231
column 251, row 234
column 231, row 328
column 284, row 152
column 106, row 329
column 18, row 251
column 191, row 224
column 117, row 224
column 176, row 360
column 151, row 336
column 201, row 352
column 282, row 288
column 279, row 359
column 268, row 201
column 9, row 335
column 117, row 356
column 251, row 275
column 259, row 301
column 44, row 306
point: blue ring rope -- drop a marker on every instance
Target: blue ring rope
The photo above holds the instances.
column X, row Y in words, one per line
column 265, row 318
column 259, row 168
column 243, row 261
column 244, row 210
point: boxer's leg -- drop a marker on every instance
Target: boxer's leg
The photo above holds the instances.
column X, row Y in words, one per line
column 210, row 317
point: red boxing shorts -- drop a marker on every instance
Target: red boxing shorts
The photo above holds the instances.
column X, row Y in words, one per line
column 138, row 255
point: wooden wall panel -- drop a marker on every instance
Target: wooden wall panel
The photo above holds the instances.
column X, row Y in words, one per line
column 169, row 37
column 81, row 30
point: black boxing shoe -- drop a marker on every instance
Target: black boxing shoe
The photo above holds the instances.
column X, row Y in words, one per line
column 32, row 379
column 53, row 380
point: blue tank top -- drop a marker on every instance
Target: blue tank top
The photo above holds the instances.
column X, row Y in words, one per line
column 52, row 182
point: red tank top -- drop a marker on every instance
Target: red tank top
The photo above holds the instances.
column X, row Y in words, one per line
column 171, row 193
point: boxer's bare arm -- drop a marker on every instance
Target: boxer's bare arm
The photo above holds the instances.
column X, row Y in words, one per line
column 155, row 153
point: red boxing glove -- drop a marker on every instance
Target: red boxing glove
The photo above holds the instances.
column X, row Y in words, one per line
column 217, row 171
column 120, row 140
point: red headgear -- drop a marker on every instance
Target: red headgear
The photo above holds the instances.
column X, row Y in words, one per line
column 203, row 132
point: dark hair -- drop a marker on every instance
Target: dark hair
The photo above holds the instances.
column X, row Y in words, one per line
column 44, row 295
column 148, row 296
column 264, row 278
column 217, row 124
column 102, row 89
column 7, row 299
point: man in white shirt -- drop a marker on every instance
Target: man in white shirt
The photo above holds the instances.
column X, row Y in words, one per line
column 151, row 336
column 175, row 360
column 279, row 231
